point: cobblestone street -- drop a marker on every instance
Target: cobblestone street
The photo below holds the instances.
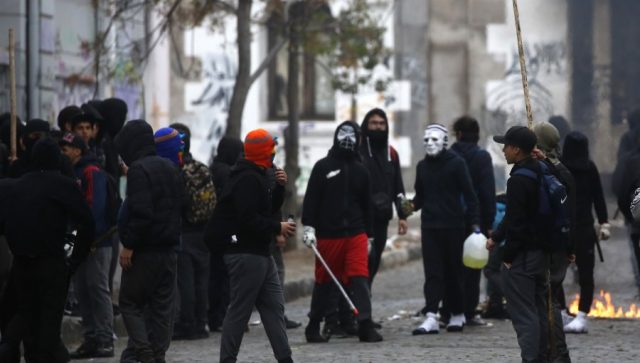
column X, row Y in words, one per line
column 400, row 289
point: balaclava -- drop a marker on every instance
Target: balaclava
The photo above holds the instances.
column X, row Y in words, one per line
column 346, row 137
column 548, row 140
column 169, row 144
column 260, row 148
column 436, row 139
column 377, row 139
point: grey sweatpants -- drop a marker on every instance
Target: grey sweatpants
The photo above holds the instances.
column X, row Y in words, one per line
column 559, row 352
column 253, row 281
column 94, row 296
column 525, row 288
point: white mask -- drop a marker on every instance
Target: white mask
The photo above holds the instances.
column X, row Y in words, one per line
column 434, row 141
column 347, row 137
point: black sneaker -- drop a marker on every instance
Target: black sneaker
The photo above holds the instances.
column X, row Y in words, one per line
column 312, row 333
column 291, row 324
column 334, row 329
column 475, row 321
column 104, row 350
column 367, row 333
column 87, row 349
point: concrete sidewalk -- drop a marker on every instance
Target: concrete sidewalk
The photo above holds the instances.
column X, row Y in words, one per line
column 299, row 274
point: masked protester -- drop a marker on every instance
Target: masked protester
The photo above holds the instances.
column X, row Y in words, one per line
column 242, row 228
column 442, row 178
column 34, row 130
column 337, row 217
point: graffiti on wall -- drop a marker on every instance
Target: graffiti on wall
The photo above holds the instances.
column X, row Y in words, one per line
column 211, row 103
column 414, row 69
column 75, row 93
column 131, row 94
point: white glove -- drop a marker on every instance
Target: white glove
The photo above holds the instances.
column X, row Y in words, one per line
column 605, row 231
column 309, row 236
column 369, row 245
column 635, row 205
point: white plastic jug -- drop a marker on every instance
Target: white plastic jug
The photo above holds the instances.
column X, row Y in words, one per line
column 475, row 253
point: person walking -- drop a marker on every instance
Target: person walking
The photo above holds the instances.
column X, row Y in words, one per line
column 445, row 194
column 589, row 197
column 524, row 269
column 242, row 227
column 150, row 227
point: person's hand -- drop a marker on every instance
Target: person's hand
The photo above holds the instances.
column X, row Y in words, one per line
column 126, row 257
column 507, row 265
column 281, row 177
column 403, row 226
column 538, row 154
column 309, row 236
column 287, row 229
column 572, row 258
column 490, row 244
column 605, row 231
column 281, row 241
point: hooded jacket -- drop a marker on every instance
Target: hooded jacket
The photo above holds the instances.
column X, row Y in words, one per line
column 444, row 192
column 155, row 192
column 242, row 221
column 337, row 202
column 383, row 164
column 481, row 171
column 589, row 193
column 40, row 206
column 228, row 152
column 114, row 113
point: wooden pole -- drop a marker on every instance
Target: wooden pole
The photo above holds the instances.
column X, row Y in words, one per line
column 12, row 90
column 523, row 66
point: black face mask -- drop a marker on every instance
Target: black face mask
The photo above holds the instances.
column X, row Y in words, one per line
column 377, row 138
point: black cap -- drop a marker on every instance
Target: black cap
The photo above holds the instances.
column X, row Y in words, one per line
column 518, row 136
column 73, row 141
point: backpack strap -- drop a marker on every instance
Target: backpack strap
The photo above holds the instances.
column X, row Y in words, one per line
column 527, row 173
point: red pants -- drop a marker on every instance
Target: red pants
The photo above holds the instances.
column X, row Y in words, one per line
column 347, row 257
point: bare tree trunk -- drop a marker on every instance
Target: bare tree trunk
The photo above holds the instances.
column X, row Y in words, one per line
column 243, row 78
column 293, row 131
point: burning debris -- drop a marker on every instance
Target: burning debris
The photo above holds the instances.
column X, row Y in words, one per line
column 603, row 307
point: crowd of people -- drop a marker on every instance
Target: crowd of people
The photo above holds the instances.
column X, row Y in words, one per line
column 200, row 246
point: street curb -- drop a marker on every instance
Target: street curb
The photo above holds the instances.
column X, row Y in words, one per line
column 294, row 289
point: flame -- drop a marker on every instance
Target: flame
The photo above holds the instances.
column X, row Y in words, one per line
column 603, row 307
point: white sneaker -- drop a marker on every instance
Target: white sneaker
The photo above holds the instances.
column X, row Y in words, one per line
column 456, row 323
column 429, row 326
column 577, row 325
column 566, row 318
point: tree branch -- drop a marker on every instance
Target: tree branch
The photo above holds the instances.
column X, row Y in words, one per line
column 268, row 59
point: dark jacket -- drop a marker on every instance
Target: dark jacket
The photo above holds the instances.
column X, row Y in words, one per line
column 566, row 178
column 589, row 193
column 40, row 206
column 93, row 184
column 383, row 164
column 444, row 192
column 337, row 202
column 629, row 182
column 518, row 225
column 481, row 171
column 229, row 151
column 242, row 221
column 155, row 192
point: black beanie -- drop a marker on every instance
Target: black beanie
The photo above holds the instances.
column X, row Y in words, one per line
column 37, row 125
column 46, row 155
column 66, row 115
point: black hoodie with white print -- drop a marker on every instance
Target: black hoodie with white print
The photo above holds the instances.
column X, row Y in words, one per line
column 337, row 202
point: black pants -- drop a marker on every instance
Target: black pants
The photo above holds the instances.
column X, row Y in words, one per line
column 635, row 245
column 443, row 268
column 193, row 281
column 380, row 228
column 585, row 260
column 5, row 264
column 494, row 279
column 559, row 352
column 40, row 288
column 525, row 288
column 218, row 291
column 147, row 302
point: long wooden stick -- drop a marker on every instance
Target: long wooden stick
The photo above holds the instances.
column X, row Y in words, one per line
column 523, row 66
column 12, row 94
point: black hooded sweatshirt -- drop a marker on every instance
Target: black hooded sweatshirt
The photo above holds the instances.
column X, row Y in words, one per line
column 337, row 202
column 40, row 205
column 243, row 219
column 383, row 164
column 589, row 193
column 155, row 192
column 444, row 192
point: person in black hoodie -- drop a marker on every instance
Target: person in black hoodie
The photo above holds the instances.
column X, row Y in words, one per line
column 35, row 216
column 383, row 164
column 228, row 153
column 242, row 226
column 524, row 270
column 589, row 196
column 337, row 216
column 445, row 195
column 467, row 132
column 150, row 228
